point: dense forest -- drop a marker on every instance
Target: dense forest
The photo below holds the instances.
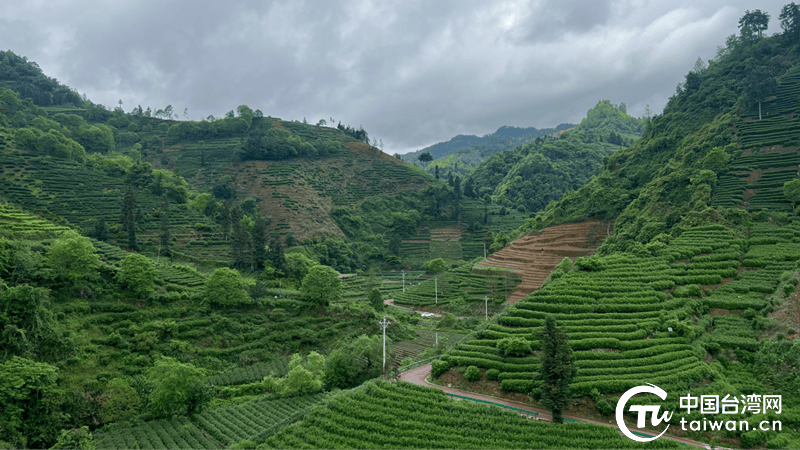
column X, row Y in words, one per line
column 243, row 281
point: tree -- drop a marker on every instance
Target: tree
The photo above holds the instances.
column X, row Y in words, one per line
column 225, row 288
column 557, row 368
column 122, row 401
column 321, row 285
column 28, row 406
column 304, row 380
column 437, row 265
column 73, row 258
column 164, row 242
column 425, row 157
column 790, row 22
column 26, row 323
column 791, row 190
column 138, row 274
column 376, row 299
column 78, row 438
column 100, row 231
column 179, row 388
column 354, row 363
column 759, row 85
column 752, row 24
column 240, row 247
column 128, row 218
column 259, row 243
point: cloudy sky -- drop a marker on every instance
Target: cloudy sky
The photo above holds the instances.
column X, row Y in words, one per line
column 412, row 73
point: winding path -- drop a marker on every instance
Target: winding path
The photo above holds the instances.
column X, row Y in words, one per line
column 420, row 374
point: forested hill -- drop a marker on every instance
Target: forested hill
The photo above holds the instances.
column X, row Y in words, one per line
column 708, row 149
column 26, row 78
column 505, row 138
column 530, row 176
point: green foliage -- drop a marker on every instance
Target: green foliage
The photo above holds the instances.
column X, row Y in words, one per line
column 438, row 367
column 138, row 274
column 514, row 346
column 376, row 299
column 179, row 388
column 321, row 285
column 27, row 323
column 472, row 374
column 29, row 412
column 354, row 363
column 304, row 380
column 411, row 416
column 437, row 265
column 26, row 78
column 78, row 438
column 225, row 287
column 122, row 401
column 557, row 369
column 534, row 174
column 73, row 258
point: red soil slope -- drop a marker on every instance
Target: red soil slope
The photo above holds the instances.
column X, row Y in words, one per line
column 535, row 255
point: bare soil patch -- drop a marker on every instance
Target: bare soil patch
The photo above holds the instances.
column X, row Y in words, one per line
column 535, row 255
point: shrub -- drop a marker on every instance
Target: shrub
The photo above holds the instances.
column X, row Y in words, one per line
column 514, row 346
column 492, row 374
column 439, row 367
column 606, row 407
column 472, row 374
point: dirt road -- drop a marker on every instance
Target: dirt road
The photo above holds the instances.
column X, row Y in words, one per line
column 420, row 374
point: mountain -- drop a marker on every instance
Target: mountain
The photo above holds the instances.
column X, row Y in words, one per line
column 26, row 78
column 707, row 150
column 158, row 288
column 532, row 175
column 474, row 147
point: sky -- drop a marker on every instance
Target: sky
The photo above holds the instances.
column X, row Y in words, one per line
column 412, row 73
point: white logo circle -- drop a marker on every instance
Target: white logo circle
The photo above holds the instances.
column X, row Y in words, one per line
column 642, row 410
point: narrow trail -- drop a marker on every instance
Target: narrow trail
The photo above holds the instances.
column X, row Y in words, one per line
column 420, row 374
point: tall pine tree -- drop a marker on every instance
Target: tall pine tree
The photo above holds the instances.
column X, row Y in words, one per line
column 557, row 370
column 225, row 220
column 240, row 246
column 259, row 243
column 164, row 247
column 128, row 218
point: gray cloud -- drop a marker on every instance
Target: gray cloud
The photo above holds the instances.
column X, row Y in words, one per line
column 411, row 73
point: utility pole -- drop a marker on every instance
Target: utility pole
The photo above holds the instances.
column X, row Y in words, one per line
column 484, row 250
column 404, row 281
column 383, row 325
column 436, row 289
column 486, row 299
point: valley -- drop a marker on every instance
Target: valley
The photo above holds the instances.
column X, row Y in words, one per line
column 255, row 282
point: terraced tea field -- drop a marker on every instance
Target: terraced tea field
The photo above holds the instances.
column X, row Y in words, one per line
column 533, row 257
column 460, row 284
column 770, row 155
column 629, row 318
column 402, row 415
column 217, row 428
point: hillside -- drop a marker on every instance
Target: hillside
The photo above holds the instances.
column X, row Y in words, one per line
column 298, row 193
column 690, row 292
column 533, row 257
column 532, row 175
column 244, row 281
column 704, row 150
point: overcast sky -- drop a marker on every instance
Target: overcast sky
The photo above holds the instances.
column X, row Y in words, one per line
column 412, row 73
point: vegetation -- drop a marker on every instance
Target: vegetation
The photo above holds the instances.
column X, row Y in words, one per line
column 182, row 284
